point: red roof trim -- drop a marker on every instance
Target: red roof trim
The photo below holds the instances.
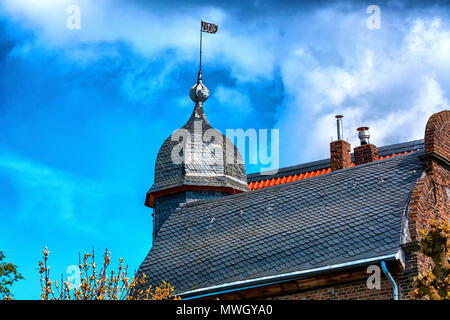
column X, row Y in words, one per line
column 290, row 178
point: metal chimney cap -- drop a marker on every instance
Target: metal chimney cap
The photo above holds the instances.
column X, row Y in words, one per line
column 363, row 135
column 340, row 127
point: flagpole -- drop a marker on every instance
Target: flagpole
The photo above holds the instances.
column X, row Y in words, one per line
column 208, row 28
column 200, row 69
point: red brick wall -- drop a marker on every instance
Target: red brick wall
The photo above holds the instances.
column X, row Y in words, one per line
column 430, row 197
column 429, row 200
column 356, row 290
column 437, row 134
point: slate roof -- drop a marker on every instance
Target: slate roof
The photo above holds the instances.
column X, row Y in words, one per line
column 343, row 216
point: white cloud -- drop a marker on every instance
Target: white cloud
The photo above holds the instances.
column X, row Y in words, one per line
column 391, row 86
column 410, row 122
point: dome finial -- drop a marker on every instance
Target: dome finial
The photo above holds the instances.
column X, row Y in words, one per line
column 199, row 92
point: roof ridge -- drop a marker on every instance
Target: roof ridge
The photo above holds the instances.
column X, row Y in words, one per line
column 289, row 168
column 325, row 163
column 339, row 171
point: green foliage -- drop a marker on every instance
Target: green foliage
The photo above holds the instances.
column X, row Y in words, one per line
column 435, row 284
column 8, row 275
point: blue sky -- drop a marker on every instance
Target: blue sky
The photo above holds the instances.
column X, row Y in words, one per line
column 83, row 112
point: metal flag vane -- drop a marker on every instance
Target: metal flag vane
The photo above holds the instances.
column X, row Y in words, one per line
column 208, row 28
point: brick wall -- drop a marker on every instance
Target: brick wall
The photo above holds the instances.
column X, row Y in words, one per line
column 429, row 200
column 437, row 133
column 430, row 197
column 356, row 290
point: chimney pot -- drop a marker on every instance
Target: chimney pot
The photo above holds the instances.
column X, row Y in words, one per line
column 366, row 152
column 363, row 135
column 340, row 128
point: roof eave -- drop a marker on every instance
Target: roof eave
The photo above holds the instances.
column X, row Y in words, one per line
column 263, row 281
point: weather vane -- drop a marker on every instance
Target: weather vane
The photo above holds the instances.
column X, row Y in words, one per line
column 209, row 28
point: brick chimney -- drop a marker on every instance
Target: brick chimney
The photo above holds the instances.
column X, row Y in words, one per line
column 340, row 150
column 366, row 152
column 437, row 141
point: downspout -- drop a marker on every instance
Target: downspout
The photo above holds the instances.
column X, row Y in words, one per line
column 391, row 279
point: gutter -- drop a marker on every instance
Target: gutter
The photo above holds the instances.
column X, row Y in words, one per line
column 263, row 281
column 391, row 279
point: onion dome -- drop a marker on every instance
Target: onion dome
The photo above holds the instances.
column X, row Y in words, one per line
column 197, row 157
